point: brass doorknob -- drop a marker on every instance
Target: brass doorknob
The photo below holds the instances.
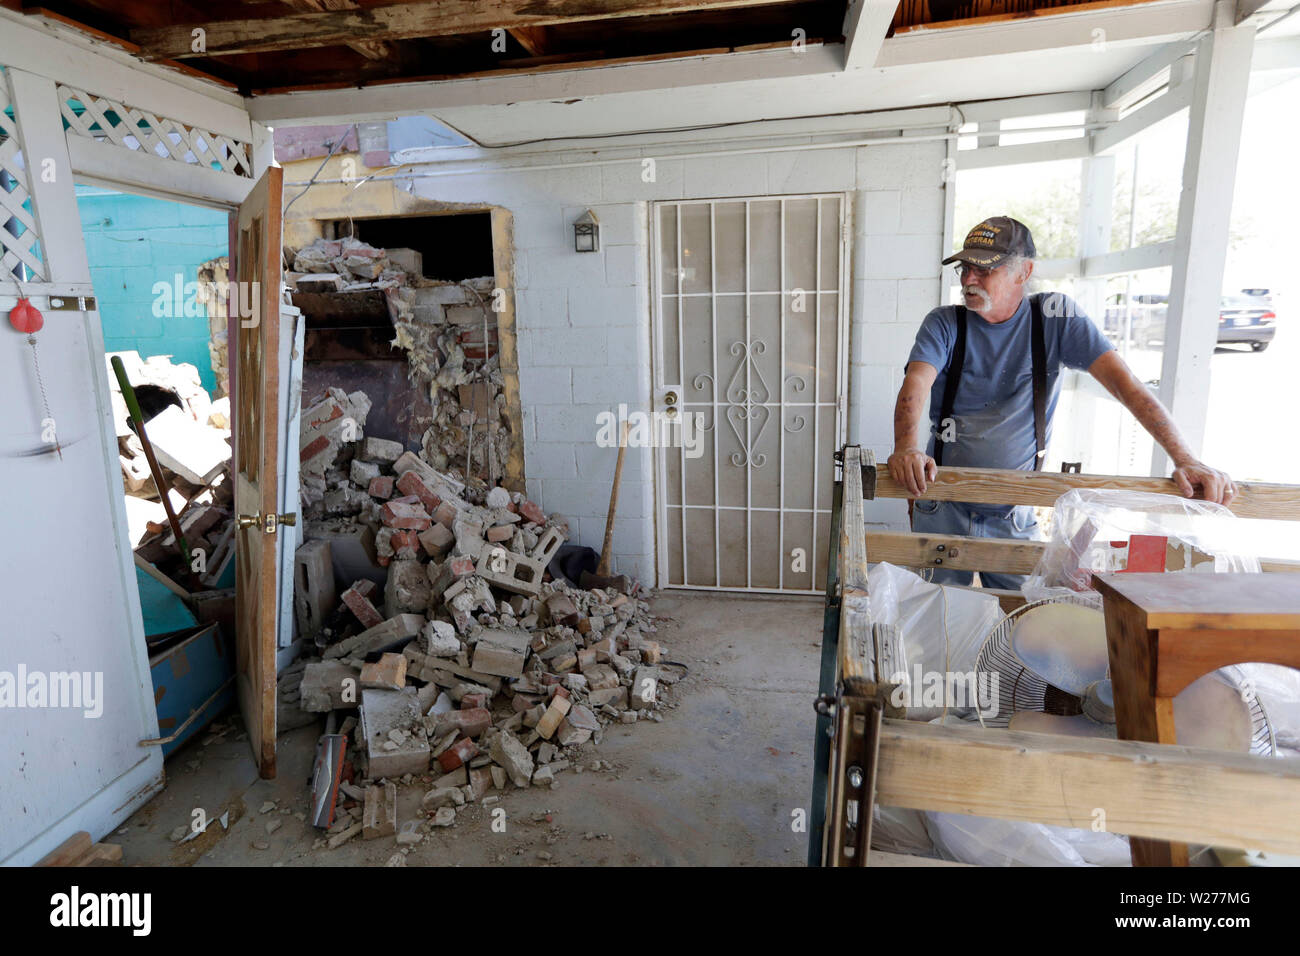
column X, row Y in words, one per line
column 670, row 398
column 248, row 521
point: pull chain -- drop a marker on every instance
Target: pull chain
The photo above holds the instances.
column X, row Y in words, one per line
column 48, row 420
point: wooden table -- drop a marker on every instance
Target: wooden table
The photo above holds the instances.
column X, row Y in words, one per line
column 1163, row 631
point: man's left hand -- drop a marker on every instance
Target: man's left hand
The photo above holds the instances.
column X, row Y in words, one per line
column 1213, row 485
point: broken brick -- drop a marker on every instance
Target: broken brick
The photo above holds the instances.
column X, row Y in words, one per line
column 457, row 754
column 405, row 544
column 357, row 601
column 380, row 487
column 398, row 514
column 409, row 483
column 532, row 512
column 388, row 672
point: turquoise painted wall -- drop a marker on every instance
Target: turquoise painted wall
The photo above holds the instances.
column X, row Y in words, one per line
column 135, row 242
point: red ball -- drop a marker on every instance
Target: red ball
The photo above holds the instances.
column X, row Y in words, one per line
column 25, row 317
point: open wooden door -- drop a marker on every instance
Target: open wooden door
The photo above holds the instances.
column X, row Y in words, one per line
column 255, row 323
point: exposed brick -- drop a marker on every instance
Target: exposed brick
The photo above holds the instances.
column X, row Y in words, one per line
column 405, row 544
column 359, row 604
column 409, row 483
column 314, row 448
column 501, row 532
column 381, row 487
column 532, row 512
column 398, row 514
column 457, row 754
column 445, row 514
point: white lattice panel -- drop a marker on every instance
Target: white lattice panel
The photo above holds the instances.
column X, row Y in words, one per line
column 113, row 122
column 15, row 200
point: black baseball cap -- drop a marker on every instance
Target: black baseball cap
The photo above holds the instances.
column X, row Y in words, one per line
column 993, row 240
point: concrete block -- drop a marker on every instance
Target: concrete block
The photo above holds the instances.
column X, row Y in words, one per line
column 352, row 550
column 384, row 712
column 362, row 472
column 501, row 652
column 381, row 450
column 407, row 590
column 510, row 571
column 879, row 212
column 645, row 684
column 379, row 818
column 438, row 639
column 512, row 757
column 190, row 448
column 393, row 631
column 314, row 592
column 326, row 686
column 548, row 542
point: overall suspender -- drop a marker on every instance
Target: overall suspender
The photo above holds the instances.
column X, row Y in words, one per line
column 1038, row 352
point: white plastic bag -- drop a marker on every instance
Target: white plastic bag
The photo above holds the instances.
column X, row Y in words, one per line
column 942, row 631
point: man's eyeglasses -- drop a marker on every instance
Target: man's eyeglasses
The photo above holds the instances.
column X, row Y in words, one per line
column 964, row 269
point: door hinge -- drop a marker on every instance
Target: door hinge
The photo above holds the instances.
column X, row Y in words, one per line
column 72, row 303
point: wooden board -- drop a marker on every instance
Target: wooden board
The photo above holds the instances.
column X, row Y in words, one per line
column 857, row 650
column 400, row 21
column 1148, row 790
column 914, row 550
column 996, row 486
column 67, row 852
column 256, row 425
column 1209, row 601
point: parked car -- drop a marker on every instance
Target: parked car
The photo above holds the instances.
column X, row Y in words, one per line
column 1145, row 311
column 1247, row 318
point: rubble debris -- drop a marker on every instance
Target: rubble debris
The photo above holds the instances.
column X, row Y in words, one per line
column 379, row 817
column 477, row 673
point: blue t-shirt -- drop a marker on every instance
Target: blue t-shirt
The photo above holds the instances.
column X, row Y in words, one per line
column 994, row 408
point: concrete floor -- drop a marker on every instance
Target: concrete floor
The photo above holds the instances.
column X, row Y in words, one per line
column 716, row 782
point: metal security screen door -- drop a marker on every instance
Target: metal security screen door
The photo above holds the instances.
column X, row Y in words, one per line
column 749, row 342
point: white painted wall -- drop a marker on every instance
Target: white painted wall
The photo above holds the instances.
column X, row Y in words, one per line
column 584, row 320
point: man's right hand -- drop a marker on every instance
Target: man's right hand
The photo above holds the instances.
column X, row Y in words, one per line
column 913, row 469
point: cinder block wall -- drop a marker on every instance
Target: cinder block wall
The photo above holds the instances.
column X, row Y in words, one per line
column 584, row 321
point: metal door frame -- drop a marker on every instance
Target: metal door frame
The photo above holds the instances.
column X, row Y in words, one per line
column 658, row 386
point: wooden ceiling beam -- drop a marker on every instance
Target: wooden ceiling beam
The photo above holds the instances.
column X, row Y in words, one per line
column 401, row 22
column 370, row 49
column 532, row 39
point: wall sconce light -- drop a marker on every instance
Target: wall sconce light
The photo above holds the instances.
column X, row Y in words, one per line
column 586, row 233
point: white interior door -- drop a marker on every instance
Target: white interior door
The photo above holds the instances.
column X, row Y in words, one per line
column 749, row 342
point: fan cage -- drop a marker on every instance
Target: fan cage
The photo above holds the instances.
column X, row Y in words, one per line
column 1021, row 689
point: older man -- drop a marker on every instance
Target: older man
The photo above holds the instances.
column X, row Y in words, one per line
column 991, row 369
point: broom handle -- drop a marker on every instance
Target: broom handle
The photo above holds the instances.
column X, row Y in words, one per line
column 133, row 406
column 603, row 568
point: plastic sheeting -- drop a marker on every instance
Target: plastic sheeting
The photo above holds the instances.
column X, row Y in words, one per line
column 1087, row 521
column 943, row 629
